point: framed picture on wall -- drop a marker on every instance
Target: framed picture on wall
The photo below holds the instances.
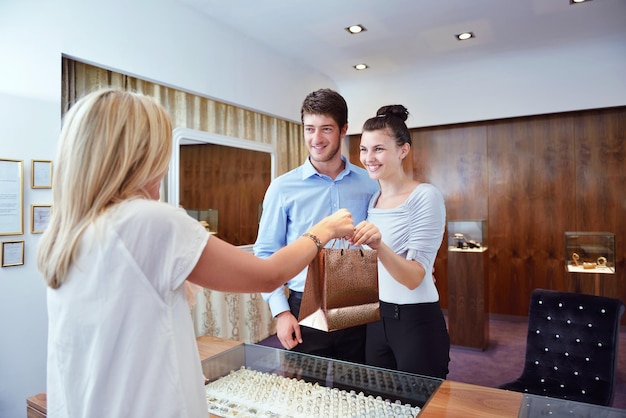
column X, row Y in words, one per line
column 41, row 174
column 12, row 253
column 12, row 192
column 40, row 217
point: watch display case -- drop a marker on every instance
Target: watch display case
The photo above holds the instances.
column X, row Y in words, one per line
column 590, row 252
column 467, row 235
column 252, row 380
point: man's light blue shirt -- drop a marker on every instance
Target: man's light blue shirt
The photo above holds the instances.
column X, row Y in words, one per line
column 299, row 199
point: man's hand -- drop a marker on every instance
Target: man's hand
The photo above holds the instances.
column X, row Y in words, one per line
column 288, row 330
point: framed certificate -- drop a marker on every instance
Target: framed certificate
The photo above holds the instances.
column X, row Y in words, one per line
column 12, row 253
column 11, row 197
column 41, row 174
column 40, row 216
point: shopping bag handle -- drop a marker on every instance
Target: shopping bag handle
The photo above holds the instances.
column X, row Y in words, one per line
column 345, row 246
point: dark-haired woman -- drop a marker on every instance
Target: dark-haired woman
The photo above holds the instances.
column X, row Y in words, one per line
column 405, row 224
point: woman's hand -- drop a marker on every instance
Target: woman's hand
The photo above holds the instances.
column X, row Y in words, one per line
column 366, row 233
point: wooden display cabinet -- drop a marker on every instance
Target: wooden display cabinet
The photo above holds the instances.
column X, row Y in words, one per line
column 468, row 297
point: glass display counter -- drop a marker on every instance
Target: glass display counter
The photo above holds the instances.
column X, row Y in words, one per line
column 542, row 406
column 590, row 252
column 467, row 235
column 252, row 380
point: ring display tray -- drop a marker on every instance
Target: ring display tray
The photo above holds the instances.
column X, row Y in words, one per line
column 252, row 380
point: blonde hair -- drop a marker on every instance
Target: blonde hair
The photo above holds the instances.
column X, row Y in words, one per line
column 112, row 146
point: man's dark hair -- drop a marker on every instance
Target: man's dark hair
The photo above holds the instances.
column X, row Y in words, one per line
column 326, row 102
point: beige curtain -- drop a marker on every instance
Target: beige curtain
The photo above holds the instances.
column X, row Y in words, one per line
column 243, row 317
column 236, row 316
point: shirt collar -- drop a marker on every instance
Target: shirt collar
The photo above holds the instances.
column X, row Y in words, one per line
column 308, row 170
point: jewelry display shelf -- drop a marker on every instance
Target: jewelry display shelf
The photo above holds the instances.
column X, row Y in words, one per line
column 468, row 296
column 590, row 252
column 467, row 235
column 589, row 255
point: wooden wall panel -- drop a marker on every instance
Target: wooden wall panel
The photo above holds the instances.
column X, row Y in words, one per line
column 454, row 160
column 533, row 178
column 600, row 184
column 531, row 167
column 231, row 180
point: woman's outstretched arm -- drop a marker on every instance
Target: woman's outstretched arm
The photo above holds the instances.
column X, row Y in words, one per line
column 224, row 267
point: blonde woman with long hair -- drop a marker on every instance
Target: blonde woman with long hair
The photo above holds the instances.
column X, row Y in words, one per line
column 120, row 335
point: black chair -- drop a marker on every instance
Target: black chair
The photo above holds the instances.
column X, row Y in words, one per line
column 571, row 347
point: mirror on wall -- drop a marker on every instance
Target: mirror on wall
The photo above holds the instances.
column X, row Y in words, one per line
column 221, row 181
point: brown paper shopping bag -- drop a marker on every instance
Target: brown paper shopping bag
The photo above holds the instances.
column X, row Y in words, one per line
column 341, row 289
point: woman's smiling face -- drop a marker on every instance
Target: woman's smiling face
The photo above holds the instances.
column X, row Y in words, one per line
column 379, row 154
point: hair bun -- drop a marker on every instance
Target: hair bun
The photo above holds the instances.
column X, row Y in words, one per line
column 398, row 111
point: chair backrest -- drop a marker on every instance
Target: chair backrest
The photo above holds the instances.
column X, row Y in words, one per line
column 571, row 346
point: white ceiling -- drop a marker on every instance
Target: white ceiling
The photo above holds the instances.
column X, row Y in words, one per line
column 404, row 36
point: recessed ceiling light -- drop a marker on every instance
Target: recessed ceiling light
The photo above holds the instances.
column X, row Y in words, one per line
column 577, row 1
column 354, row 29
column 464, row 36
column 361, row 66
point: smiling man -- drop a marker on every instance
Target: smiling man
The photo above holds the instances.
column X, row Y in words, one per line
column 298, row 199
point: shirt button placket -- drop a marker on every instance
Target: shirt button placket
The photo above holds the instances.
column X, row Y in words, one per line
column 334, row 197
